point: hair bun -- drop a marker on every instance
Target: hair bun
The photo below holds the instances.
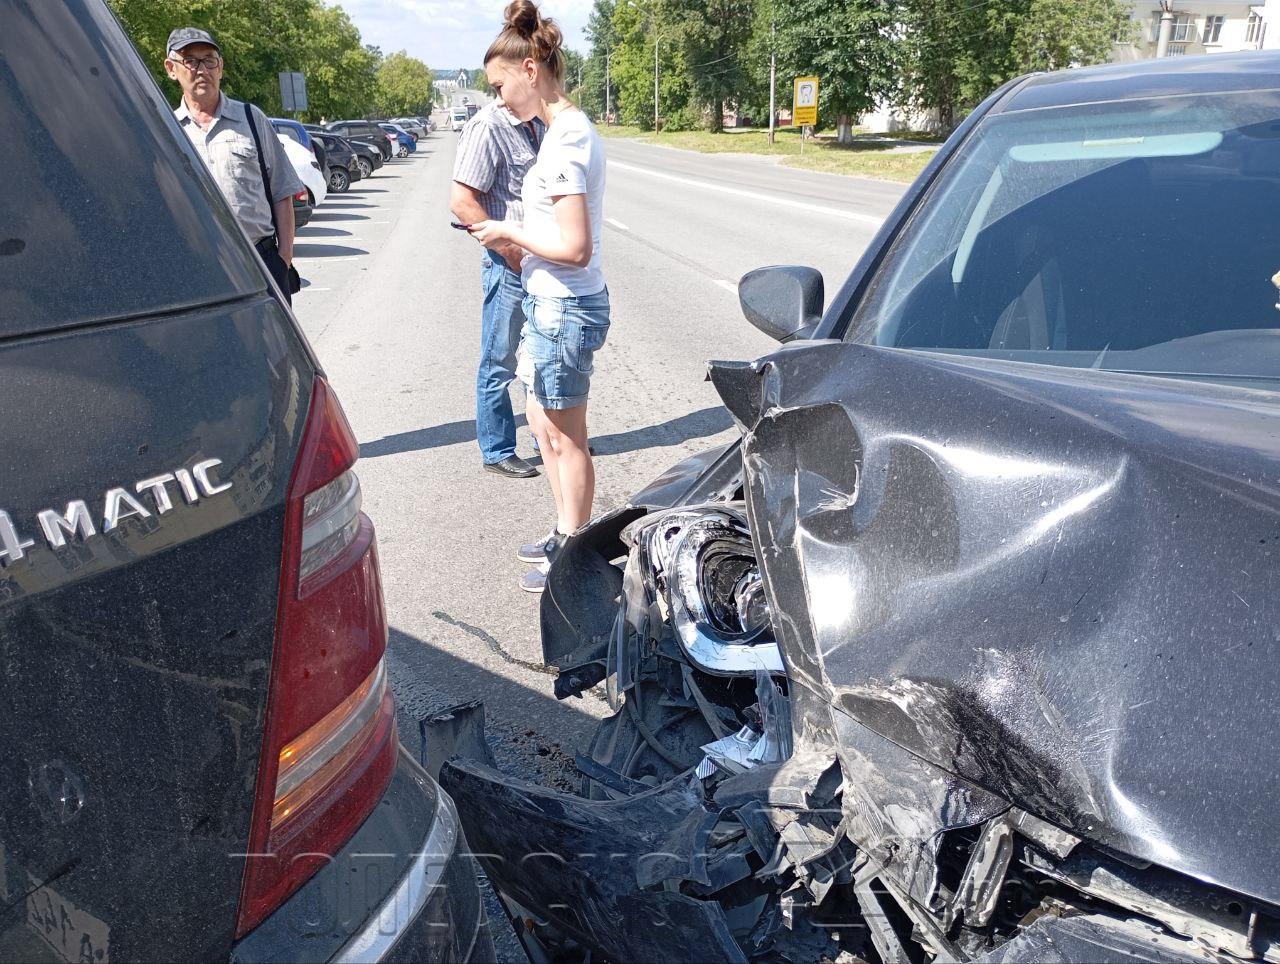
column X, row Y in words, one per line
column 527, row 33
column 523, row 16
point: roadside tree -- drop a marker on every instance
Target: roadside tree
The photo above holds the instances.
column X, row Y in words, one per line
column 404, row 85
column 953, row 53
column 848, row 45
column 715, row 37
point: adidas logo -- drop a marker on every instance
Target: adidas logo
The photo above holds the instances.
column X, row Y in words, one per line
column 561, row 179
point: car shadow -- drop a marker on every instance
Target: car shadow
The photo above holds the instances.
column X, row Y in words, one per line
column 325, row 251
column 700, row 424
column 313, row 232
column 336, row 216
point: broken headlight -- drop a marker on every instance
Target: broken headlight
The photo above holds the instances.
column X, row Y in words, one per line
column 707, row 582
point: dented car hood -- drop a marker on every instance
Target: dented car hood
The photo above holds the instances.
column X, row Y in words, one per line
column 1060, row 585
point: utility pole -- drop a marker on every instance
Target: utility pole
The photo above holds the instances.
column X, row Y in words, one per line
column 608, row 104
column 655, row 77
column 773, row 78
column 1166, row 28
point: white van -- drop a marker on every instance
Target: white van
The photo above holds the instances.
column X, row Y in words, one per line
column 457, row 118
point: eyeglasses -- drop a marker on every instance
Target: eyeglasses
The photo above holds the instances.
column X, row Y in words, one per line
column 195, row 63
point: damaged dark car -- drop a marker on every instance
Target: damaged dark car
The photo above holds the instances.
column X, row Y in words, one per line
column 968, row 649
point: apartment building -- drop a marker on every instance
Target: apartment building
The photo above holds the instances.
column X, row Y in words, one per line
column 1200, row 27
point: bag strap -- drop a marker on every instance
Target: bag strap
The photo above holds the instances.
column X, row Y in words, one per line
column 262, row 166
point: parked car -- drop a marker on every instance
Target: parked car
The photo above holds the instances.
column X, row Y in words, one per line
column 343, row 166
column 967, row 650
column 365, row 158
column 458, row 118
column 308, row 169
column 472, row 110
column 365, row 131
column 298, row 133
column 368, row 156
column 406, row 142
column 412, row 125
column 302, row 209
column 199, row 743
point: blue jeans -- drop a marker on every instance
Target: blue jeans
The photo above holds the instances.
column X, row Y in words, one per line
column 501, row 321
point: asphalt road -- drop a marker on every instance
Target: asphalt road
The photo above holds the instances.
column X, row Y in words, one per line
column 392, row 307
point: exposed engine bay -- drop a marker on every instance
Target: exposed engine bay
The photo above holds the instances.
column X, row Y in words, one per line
column 894, row 680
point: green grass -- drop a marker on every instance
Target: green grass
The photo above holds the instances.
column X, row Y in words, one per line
column 868, row 156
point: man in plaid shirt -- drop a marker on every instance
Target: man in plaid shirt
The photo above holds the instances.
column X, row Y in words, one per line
column 495, row 151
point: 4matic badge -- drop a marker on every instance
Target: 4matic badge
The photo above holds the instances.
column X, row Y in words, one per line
column 118, row 504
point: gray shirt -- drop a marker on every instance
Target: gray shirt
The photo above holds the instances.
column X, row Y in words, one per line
column 495, row 152
column 228, row 151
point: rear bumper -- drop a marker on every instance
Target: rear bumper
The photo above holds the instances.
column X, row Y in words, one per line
column 402, row 889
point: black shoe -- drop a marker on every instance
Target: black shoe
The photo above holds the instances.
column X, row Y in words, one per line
column 512, row 467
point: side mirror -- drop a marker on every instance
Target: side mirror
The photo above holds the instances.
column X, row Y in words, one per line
column 785, row 301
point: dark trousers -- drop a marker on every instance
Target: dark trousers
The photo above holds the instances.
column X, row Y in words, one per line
column 270, row 255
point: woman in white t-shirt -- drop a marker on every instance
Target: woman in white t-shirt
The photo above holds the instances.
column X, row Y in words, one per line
column 566, row 307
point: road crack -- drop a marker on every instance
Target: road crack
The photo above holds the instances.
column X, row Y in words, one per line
column 496, row 647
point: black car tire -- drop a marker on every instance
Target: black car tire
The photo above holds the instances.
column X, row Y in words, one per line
column 339, row 180
column 366, row 167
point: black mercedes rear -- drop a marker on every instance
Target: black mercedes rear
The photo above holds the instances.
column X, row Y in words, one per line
column 198, row 752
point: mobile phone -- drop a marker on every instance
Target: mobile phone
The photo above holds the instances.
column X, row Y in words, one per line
column 460, row 227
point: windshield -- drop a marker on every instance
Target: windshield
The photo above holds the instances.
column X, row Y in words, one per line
column 1137, row 236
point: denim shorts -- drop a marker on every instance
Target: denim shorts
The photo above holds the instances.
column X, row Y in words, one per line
column 558, row 345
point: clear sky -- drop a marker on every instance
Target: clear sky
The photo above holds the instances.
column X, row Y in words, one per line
column 452, row 33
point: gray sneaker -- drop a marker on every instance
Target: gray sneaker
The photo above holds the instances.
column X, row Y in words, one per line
column 535, row 552
column 535, row 580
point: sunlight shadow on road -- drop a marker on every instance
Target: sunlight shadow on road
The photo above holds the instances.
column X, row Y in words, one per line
column 700, row 424
column 325, row 251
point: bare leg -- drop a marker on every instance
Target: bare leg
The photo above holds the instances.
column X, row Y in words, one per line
column 576, row 487
column 540, row 428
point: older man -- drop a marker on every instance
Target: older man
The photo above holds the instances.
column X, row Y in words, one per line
column 227, row 133
column 495, row 152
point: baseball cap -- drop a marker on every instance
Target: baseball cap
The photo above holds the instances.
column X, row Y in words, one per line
column 185, row 36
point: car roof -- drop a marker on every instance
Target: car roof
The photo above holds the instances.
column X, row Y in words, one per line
column 1165, row 77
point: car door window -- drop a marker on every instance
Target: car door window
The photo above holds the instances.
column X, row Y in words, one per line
column 1131, row 237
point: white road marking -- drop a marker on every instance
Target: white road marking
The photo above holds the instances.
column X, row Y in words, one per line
column 727, row 285
column 752, row 195
column 617, row 224
column 312, row 288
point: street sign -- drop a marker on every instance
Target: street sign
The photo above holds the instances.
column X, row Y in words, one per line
column 293, row 91
column 804, row 109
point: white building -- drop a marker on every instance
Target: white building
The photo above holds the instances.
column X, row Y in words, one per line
column 1201, row 27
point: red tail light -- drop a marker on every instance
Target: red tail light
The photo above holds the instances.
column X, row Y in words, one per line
column 329, row 745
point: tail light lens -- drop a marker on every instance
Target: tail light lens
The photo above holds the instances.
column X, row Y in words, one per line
column 301, row 196
column 329, row 744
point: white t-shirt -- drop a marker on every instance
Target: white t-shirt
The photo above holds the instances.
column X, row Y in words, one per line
column 570, row 161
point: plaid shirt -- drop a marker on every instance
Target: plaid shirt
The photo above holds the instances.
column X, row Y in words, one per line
column 227, row 149
column 495, row 152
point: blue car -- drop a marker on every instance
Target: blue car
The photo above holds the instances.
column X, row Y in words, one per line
column 406, row 142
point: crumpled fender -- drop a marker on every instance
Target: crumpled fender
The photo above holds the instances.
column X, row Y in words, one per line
column 1057, row 584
